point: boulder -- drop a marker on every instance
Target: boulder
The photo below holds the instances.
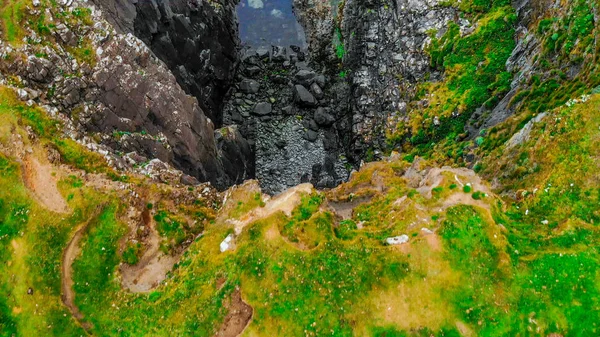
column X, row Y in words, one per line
column 323, row 118
column 303, row 97
column 305, row 77
column 316, row 90
column 263, row 109
column 311, row 135
column 397, row 240
column 249, row 86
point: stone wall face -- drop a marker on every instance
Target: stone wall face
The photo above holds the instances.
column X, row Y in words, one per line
column 386, row 57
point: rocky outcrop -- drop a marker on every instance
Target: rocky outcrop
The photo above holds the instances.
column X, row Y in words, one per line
column 124, row 98
column 317, row 19
column 385, row 57
column 531, row 60
column 197, row 40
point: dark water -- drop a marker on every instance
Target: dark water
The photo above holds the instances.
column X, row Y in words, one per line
column 269, row 22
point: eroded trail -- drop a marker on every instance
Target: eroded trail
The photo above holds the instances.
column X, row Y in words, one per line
column 69, row 256
column 153, row 266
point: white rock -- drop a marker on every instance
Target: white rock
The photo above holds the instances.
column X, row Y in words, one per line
column 226, row 244
column 426, row 230
column 397, row 240
column 22, row 94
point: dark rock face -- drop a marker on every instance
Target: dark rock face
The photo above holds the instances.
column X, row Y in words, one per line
column 198, row 41
column 386, row 57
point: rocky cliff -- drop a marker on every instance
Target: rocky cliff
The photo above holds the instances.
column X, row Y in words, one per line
column 198, row 40
column 114, row 92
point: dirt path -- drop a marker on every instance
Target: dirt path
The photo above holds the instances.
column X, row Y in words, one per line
column 152, row 268
column 238, row 317
column 69, row 256
column 285, row 202
column 39, row 180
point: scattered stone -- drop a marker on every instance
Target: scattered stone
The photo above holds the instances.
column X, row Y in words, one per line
column 252, row 70
column 288, row 110
column 249, row 86
column 426, row 230
column 279, row 54
column 303, row 97
column 320, row 80
column 281, row 143
column 22, row 93
column 263, row 109
column 30, row 291
column 263, row 52
column 397, row 240
column 189, row 180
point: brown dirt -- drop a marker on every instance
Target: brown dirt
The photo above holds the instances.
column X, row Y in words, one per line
column 39, row 180
column 69, row 256
column 153, row 266
column 238, row 317
column 284, row 202
column 345, row 208
column 433, row 240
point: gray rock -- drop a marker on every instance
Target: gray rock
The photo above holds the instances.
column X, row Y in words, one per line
column 323, row 118
column 320, row 80
column 311, row 135
column 397, row 240
column 189, row 180
column 279, row 54
column 248, row 86
column 288, row 110
column 303, row 97
column 252, row 70
column 316, row 90
column 263, row 109
column 263, row 52
column 305, row 77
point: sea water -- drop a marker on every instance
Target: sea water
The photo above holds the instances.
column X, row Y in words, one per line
column 266, row 23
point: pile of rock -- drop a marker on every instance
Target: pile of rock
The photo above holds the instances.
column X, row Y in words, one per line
column 284, row 109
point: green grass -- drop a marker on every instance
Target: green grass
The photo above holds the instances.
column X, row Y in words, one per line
column 474, row 68
column 12, row 16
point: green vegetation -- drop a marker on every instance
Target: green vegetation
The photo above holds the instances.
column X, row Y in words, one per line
column 475, row 75
column 521, row 259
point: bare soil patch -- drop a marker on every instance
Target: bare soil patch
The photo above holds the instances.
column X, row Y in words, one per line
column 153, row 266
column 238, row 317
column 39, row 180
column 285, row 202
